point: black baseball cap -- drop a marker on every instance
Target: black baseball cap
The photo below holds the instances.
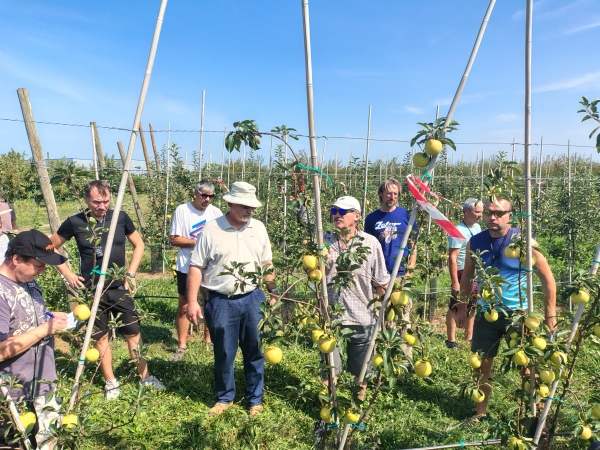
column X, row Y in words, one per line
column 36, row 244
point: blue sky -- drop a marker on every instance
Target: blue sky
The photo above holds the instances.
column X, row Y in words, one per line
column 84, row 61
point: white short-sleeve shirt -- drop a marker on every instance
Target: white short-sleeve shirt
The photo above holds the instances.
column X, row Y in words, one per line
column 188, row 222
column 221, row 244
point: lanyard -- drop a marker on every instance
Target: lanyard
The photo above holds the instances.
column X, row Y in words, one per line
column 468, row 228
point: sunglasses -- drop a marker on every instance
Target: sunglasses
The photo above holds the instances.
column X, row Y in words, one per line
column 342, row 211
column 206, row 195
column 499, row 213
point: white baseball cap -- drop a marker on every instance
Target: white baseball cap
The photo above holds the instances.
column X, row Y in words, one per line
column 347, row 202
column 242, row 193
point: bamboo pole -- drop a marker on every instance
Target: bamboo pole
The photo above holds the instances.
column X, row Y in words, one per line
column 119, row 202
column 98, row 146
column 143, row 141
column 16, row 418
column 316, row 181
column 527, row 156
column 201, row 136
column 156, row 160
column 285, row 190
column 413, row 214
column 269, row 182
column 94, row 154
column 132, row 191
column 570, row 255
column 166, row 196
column 574, row 326
column 223, row 153
column 364, row 199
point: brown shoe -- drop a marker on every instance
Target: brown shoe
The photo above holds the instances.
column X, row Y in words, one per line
column 219, row 408
column 256, row 410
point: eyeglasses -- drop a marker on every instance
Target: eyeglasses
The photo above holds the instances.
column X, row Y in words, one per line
column 498, row 214
column 205, row 195
column 342, row 211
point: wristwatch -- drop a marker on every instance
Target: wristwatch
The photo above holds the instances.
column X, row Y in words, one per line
column 130, row 274
column 273, row 291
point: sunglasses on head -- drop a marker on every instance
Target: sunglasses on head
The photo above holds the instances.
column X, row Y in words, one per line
column 205, row 195
column 342, row 211
column 499, row 213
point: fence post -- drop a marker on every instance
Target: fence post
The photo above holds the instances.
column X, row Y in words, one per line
column 143, row 141
column 132, row 190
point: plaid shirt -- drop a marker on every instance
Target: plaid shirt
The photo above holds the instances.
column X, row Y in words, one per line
column 372, row 274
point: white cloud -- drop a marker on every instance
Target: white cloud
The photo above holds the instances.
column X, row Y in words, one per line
column 583, row 28
column 414, row 109
column 507, row 117
column 570, row 83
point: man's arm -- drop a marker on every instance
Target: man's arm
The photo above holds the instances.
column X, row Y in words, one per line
column 269, row 282
column 453, row 268
column 193, row 312
column 548, row 288
column 15, row 345
column 179, row 241
column 136, row 258
column 74, row 280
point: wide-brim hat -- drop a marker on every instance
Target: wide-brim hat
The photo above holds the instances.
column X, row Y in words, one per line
column 242, row 193
column 347, row 202
column 36, row 244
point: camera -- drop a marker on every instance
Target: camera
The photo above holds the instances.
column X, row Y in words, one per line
column 99, row 252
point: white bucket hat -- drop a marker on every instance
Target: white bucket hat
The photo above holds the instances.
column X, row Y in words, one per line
column 347, row 202
column 242, row 193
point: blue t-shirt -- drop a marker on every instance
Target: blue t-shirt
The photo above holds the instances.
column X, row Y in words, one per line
column 389, row 228
column 508, row 268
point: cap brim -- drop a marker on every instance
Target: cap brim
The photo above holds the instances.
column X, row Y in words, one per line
column 54, row 259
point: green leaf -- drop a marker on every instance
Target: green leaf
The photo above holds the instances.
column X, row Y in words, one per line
column 585, row 118
column 594, row 131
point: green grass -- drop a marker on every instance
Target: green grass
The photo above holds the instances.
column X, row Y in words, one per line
column 416, row 413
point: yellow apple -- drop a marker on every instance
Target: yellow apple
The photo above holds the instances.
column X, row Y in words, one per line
column 420, row 159
column 27, row 419
column 315, row 275
column 478, row 396
column 92, row 355
column 581, row 296
column 475, row 361
column 327, row 345
column 423, row 368
column 410, row 339
column 399, row 298
column 70, row 420
column 273, row 354
column 82, row 312
column 310, row 262
column 377, row 361
column 491, row 315
column 433, row 147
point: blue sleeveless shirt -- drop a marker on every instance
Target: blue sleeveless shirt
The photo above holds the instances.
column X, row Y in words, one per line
column 508, row 268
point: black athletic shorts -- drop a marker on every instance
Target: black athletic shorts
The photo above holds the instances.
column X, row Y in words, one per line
column 115, row 301
column 181, row 283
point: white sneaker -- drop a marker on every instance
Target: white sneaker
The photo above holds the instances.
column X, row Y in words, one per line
column 152, row 381
column 111, row 389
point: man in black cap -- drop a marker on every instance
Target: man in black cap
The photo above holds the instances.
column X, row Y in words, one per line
column 27, row 328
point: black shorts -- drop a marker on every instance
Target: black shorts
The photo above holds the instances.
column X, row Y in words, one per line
column 115, row 301
column 487, row 335
column 181, row 283
column 182, row 287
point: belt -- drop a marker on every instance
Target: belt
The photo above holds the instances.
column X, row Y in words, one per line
column 232, row 297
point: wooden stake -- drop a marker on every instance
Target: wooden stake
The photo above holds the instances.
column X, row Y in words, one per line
column 132, row 190
column 143, row 141
column 98, row 145
column 156, row 160
column 38, row 157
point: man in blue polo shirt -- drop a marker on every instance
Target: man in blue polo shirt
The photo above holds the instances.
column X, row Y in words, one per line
column 487, row 335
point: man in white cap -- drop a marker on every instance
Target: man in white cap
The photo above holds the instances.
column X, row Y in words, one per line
column 232, row 314
column 371, row 275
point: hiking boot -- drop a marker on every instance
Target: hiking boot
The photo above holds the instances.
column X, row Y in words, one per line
column 219, row 408
column 178, row 355
column 256, row 410
column 111, row 389
column 452, row 345
column 152, row 381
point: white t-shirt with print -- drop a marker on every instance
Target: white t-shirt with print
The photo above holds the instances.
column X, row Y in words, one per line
column 188, row 222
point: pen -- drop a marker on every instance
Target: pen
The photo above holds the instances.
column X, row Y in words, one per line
column 49, row 314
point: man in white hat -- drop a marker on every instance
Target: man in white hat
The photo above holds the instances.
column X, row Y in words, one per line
column 371, row 275
column 232, row 314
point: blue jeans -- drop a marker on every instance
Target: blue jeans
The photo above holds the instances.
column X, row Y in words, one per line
column 233, row 321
